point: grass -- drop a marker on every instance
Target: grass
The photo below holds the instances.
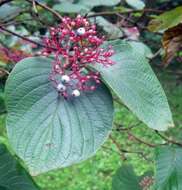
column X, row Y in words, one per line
column 96, row 173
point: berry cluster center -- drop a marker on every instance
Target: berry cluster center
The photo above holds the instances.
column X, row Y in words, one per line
column 75, row 44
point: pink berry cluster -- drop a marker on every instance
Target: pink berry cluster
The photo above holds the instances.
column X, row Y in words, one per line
column 75, row 45
column 146, row 182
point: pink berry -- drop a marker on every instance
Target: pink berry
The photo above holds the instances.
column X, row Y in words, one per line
column 76, row 45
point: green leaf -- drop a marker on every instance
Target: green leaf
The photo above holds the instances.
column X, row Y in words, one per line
column 141, row 48
column 95, row 3
column 166, row 20
column 12, row 175
column 126, row 179
column 111, row 30
column 168, row 168
column 133, row 81
column 137, row 4
column 68, row 7
column 47, row 131
column 7, row 12
column 2, row 104
column 82, row 6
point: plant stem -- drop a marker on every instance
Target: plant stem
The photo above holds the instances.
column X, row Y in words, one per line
column 23, row 37
column 44, row 6
column 142, row 141
column 121, row 150
column 168, row 139
column 105, row 13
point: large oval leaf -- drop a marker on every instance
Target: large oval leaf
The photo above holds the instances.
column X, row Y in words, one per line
column 168, row 168
column 12, row 175
column 126, row 179
column 46, row 130
column 134, row 82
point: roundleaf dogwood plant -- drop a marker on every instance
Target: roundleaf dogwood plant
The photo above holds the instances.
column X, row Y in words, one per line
column 60, row 104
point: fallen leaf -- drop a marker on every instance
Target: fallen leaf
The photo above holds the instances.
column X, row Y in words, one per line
column 172, row 43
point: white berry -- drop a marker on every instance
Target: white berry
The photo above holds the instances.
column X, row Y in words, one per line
column 86, row 50
column 76, row 93
column 61, row 87
column 80, row 31
column 65, row 78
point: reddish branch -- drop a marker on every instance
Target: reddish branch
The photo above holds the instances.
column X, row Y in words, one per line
column 23, row 37
column 121, row 150
column 119, row 127
column 125, row 129
column 168, row 139
column 44, row 6
column 105, row 13
column 142, row 141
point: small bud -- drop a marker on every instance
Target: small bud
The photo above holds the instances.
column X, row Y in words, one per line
column 92, row 88
column 86, row 23
column 45, row 54
column 64, row 31
column 93, row 27
column 61, row 87
column 81, row 31
column 64, row 20
column 65, row 78
column 73, row 23
column 76, row 93
column 57, row 67
column 86, row 50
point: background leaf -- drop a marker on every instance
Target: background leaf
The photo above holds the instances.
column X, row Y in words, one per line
column 137, row 4
column 172, row 43
column 133, row 81
column 168, row 168
column 68, row 7
column 7, row 12
column 95, row 3
column 126, row 179
column 12, row 175
column 110, row 29
column 47, row 131
column 82, row 6
column 166, row 20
